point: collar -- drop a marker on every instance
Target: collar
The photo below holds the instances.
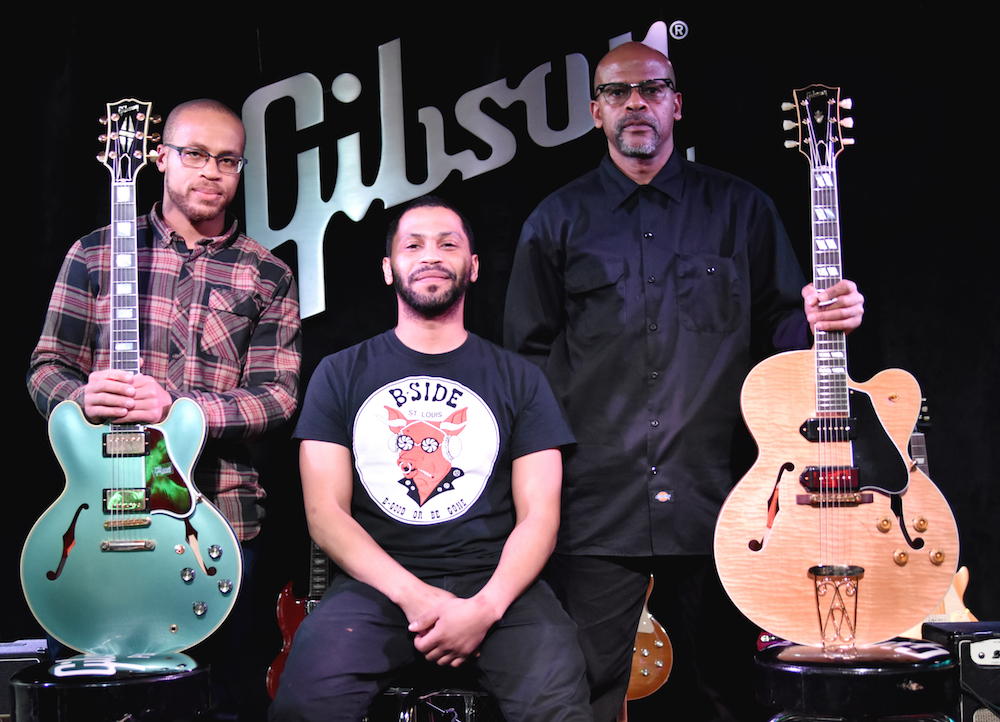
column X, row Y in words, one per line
column 619, row 187
column 164, row 235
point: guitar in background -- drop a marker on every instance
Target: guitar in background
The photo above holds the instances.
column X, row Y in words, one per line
column 131, row 558
column 292, row 610
column 952, row 608
column 833, row 538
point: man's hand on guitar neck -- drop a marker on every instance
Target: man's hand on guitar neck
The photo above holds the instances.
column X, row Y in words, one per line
column 838, row 308
column 125, row 398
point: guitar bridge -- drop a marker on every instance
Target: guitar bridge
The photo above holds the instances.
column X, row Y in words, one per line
column 851, row 498
column 139, row 522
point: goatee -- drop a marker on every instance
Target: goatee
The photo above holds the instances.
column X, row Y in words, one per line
column 431, row 305
column 644, row 149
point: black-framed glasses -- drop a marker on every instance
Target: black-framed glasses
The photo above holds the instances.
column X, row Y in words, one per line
column 651, row 91
column 198, row 158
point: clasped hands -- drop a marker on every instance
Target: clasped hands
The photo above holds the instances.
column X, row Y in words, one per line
column 124, row 397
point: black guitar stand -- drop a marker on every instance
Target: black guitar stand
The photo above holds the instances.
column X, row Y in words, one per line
column 160, row 688
column 896, row 681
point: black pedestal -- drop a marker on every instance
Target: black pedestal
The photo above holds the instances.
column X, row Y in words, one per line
column 148, row 697
column 902, row 680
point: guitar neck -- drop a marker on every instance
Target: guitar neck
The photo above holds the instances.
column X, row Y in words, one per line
column 832, row 396
column 124, row 279
column 319, row 573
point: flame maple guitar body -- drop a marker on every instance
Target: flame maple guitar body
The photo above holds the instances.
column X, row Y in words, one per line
column 902, row 533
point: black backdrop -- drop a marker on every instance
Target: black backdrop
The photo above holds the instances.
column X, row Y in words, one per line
column 913, row 196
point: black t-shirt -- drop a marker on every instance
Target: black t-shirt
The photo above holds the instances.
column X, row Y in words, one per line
column 433, row 438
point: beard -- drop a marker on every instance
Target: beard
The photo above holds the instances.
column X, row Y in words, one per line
column 643, row 149
column 195, row 213
column 431, row 305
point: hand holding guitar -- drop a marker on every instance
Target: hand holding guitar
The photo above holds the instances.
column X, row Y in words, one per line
column 125, row 398
column 838, row 308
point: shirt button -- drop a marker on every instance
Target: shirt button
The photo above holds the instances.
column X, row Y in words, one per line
column 654, row 422
column 652, row 327
column 647, row 234
column 710, row 270
column 653, row 469
column 654, row 375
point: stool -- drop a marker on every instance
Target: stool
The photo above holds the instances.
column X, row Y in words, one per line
column 889, row 682
column 428, row 693
column 39, row 695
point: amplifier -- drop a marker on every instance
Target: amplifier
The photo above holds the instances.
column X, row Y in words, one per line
column 15, row 656
column 976, row 648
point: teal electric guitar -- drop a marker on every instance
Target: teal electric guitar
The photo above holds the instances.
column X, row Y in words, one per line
column 131, row 558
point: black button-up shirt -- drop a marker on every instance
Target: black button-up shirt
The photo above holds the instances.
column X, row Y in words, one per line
column 646, row 306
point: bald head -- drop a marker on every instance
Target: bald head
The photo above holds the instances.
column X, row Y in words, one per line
column 632, row 54
column 201, row 104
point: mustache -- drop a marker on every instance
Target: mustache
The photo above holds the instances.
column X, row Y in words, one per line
column 423, row 269
column 637, row 117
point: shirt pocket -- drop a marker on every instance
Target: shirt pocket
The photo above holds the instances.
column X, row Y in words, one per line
column 709, row 297
column 595, row 298
column 232, row 317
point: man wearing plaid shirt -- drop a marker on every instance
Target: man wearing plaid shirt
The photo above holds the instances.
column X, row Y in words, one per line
column 219, row 317
column 219, row 324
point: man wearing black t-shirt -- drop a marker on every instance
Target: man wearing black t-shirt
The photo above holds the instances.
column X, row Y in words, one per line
column 431, row 474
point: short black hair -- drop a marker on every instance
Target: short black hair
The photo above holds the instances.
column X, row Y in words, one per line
column 427, row 202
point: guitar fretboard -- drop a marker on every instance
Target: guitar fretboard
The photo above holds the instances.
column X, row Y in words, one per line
column 124, row 279
column 832, row 394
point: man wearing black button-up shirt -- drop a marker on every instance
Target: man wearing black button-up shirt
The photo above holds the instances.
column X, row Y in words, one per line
column 646, row 290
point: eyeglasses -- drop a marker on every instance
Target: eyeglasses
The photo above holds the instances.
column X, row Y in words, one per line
column 197, row 158
column 651, row 91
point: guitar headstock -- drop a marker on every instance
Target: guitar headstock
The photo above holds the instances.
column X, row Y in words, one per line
column 819, row 123
column 126, row 142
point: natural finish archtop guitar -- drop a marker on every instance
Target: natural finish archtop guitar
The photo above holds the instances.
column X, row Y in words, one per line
column 834, row 537
column 131, row 558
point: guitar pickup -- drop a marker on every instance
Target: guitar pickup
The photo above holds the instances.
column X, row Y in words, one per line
column 126, row 501
column 841, row 479
column 840, row 428
column 125, row 443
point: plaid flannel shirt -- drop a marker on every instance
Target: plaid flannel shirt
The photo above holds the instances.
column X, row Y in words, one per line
column 219, row 324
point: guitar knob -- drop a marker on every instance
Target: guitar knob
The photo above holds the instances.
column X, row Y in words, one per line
column 187, row 574
column 215, row 552
column 225, row 586
column 937, row 557
column 200, row 609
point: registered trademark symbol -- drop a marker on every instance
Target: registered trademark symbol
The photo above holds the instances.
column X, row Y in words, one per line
column 678, row 29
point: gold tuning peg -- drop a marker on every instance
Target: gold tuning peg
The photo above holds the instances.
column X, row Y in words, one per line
column 155, row 119
column 102, row 156
column 152, row 155
column 103, row 137
column 103, row 120
column 154, row 138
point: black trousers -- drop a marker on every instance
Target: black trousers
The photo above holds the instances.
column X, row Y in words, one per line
column 355, row 644
column 713, row 643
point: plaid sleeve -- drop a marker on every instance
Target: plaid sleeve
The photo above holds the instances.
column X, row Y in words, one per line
column 64, row 355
